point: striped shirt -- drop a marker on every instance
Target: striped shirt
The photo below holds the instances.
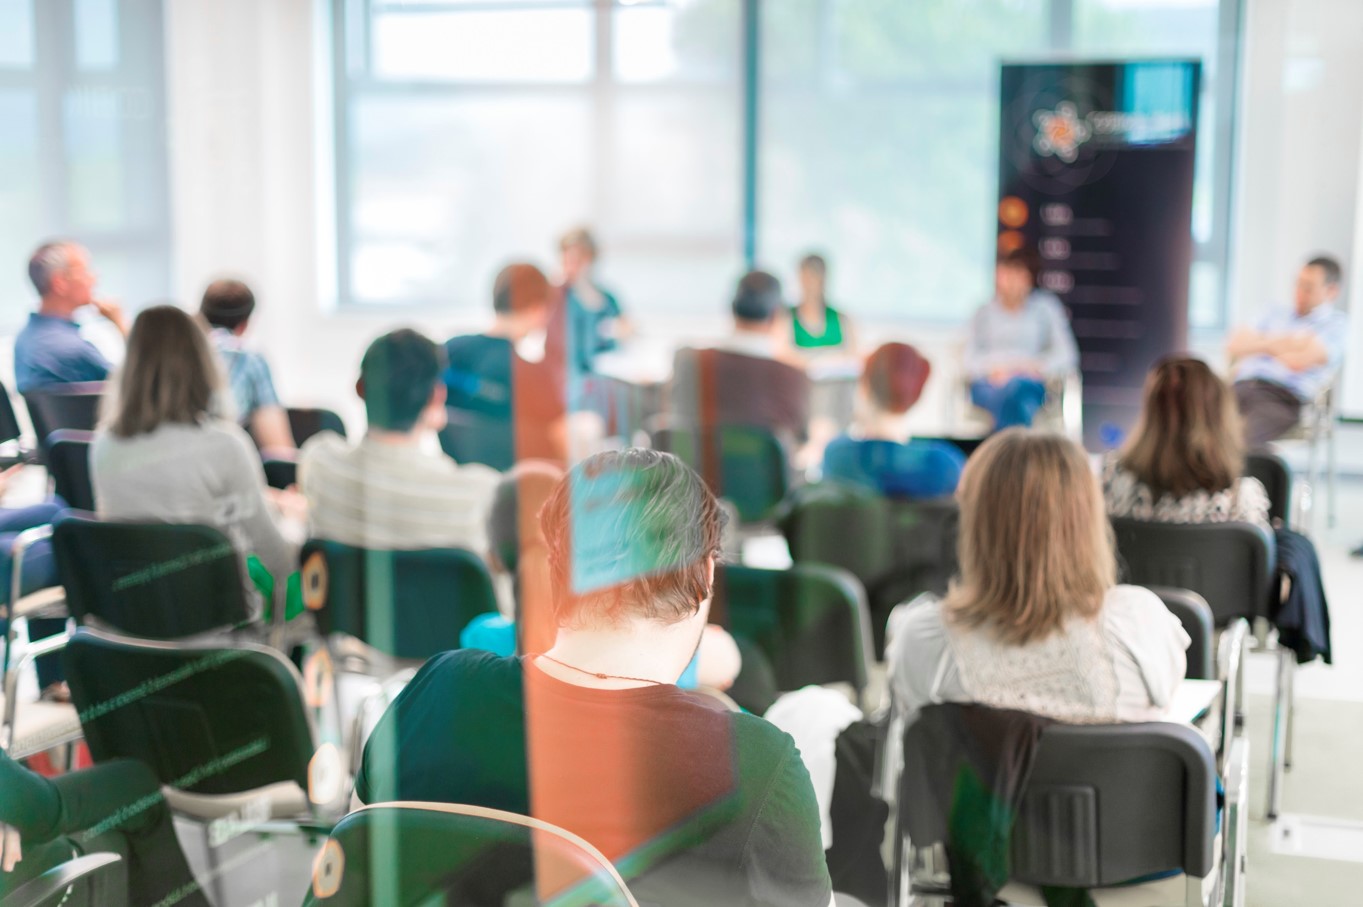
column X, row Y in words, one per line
column 393, row 496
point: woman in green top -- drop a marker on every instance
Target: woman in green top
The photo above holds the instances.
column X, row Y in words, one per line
column 818, row 326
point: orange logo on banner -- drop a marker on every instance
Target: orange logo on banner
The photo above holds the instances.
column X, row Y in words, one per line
column 1011, row 241
column 1013, row 212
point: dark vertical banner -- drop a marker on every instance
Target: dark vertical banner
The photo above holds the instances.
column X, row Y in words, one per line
column 1096, row 175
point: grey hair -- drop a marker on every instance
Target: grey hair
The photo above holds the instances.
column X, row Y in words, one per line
column 47, row 261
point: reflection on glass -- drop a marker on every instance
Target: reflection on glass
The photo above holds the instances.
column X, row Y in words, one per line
column 96, row 24
column 19, row 186
column 520, row 45
column 94, row 153
column 16, row 33
column 690, row 40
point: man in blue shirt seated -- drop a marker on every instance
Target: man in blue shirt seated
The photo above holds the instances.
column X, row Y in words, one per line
column 227, row 307
column 50, row 350
column 1291, row 357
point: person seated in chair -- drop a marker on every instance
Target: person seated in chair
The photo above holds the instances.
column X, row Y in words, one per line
column 165, row 453
column 1291, row 357
column 1017, row 342
column 592, row 734
column 387, row 492
column 487, row 375
column 878, row 453
column 752, row 377
column 1184, row 463
column 50, row 350
column 226, row 309
column 1036, row 621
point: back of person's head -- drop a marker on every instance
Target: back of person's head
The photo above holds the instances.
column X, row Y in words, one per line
column 227, row 304
column 894, row 376
column 1188, row 437
column 398, row 375
column 520, row 289
column 169, row 375
column 630, row 534
column 50, row 260
column 1035, row 545
column 758, row 298
column 1330, row 269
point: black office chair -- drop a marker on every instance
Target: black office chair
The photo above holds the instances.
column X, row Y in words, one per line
column 406, row 604
column 408, row 854
column 1195, row 615
column 219, row 727
column 306, row 422
column 68, row 462
column 71, row 406
column 472, row 437
column 811, row 622
column 743, row 463
column 96, row 878
column 1272, row 470
column 1104, row 805
column 153, row 580
column 11, row 451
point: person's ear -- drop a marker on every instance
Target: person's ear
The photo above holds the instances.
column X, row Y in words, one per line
column 359, row 387
column 240, row 329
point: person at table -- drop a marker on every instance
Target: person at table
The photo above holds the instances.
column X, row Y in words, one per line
column 751, row 377
column 693, row 803
column 165, row 452
column 817, row 326
column 1184, row 463
column 877, row 452
column 1016, row 343
column 50, row 349
column 1291, row 356
column 595, row 321
column 226, row 308
column 486, row 375
column 1036, row 621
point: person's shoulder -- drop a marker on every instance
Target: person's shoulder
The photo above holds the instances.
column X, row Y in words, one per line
column 936, row 450
column 323, row 447
column 1132, row 600
column 473, row 668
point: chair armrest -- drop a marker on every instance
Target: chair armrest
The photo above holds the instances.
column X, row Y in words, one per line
column 22, row 542
column 1230, row 664
column 112, row 888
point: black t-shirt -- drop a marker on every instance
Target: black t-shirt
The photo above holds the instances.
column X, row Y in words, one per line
column 694, row 804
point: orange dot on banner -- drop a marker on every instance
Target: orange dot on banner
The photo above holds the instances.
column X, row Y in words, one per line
column 1013, row 212
column 1011, row 241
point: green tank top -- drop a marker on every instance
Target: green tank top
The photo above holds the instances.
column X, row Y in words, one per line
column 832, row 329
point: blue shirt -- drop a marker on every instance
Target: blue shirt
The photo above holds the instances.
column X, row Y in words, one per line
column 248, row 374
column 1330, row 326
column 918, row 469
column 51, row 351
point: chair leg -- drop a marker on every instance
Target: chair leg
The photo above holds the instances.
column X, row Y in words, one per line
column 1333, row 475
column 1276, row 751
column 1291, row 675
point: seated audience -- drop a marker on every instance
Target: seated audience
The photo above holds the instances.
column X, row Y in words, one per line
column 387, row 492
column 667, row 785
column 817, row 325
column 1292, row 356
column 487, row 376
column 39, row 571
column 164, row 452
column 877, row 452
column 1017, row 342
column 114, row 807
column 1036, row 621
column 50, row 350
column 595, row 321
column 1184, row 462
column 227, row 308
column 749, row 378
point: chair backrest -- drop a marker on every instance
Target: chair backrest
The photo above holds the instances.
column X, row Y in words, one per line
column 1195, row 614
column 1273, row 472
column 155, row 580
column 68, row 462
column 407, row 853
column 743, row 463
column 407, row 604
column 9, row 422
column 471, row 437
column 1231, row 565
column 811, row 621
column 96, row 878
column 206, row 719
column 72, row 406
column 1104, row 804
column 306, row 422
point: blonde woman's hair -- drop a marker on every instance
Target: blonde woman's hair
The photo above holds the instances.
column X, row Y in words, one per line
column 1189, row 436
column 170, row 375
column 1035, row 545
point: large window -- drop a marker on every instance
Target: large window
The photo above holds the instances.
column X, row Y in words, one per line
column 473, row 131
column 689, row 132
column 82, row 151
